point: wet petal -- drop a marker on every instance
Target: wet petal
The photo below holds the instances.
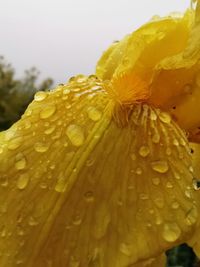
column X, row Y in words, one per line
column 194, row 242
column 159, row 261
column 40, row 157
column 169, row 78
column 81, row 188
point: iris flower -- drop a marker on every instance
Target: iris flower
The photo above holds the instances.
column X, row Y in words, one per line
column 103, row 171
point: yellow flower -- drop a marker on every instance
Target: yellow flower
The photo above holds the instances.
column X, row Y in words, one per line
column 99, row 171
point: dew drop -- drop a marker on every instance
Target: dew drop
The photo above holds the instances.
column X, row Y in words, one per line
column 15, row 143
column 50, row 130
column 41, row 147
column 40, row 96
column 156, row 180
column 171, row 232
column 144, row 151
column 89, row 196
column 156, row 138
column 160, row 166
column 20, row 163
column 47, row 112
column 77, row 220
column 175, row 205
column 133, row 156
column 75, row 135
column 144, row 196
column 94, row 114
column 168, row 151
column 23, row 181
column 4, row 181
column 192, row 216
column 196, row 184
column 175, row 142
column 66, row 91
column 60, row 185
column 138, row 171
column 20, row 231
column 169, row 185
column 32, row 221
column 159, row 201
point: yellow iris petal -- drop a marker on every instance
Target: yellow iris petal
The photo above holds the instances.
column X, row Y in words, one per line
column 164, row 55
column 194, row 242
column 79, row 188
column 159, row 261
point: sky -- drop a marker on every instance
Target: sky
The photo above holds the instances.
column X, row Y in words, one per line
column 63, row 38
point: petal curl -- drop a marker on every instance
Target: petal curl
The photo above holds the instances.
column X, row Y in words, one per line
column 164, row 56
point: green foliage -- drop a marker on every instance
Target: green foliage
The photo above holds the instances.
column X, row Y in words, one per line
column 16, row 94
column 181, row 256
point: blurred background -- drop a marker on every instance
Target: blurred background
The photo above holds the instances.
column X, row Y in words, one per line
column 65, row 37
column 45, row 42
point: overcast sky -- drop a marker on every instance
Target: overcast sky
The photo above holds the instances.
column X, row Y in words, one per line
column 66, row 37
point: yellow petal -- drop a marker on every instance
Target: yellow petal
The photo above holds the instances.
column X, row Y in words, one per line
column 164, row 56
column 159, row 261
column 78, row 190
column 194, row 242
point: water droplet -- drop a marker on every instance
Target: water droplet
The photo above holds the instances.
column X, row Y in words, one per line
column 160, row 166
column 89, row 196
column 4, row 181
column 168, row 151
column 20, row 231
column 171, row 232
column 1, row 150
column 144, row 151
column 144, row 196
column 60, row 185
column 125, row 249
column 156, row 180
column 138, row 171
column 165, row 117
column 50, row 130
column 23, row 181
column 66, row 91
column 133, row 156
column 187, row 89
column 47, row 112
column 94, row 114
column 191, row 169
column 77, row 220
column 188, row 193
column 3, row 231
column 169, row 185
column 75, row 134
column 156, row 138
column 40, row 96
column 159, row 201
column 32, row 221
column 15, row 143
column 20, row 163
column 41, row 147
column 196, row 184
column 192, row 216
column 175, row 205
column 74, row 263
